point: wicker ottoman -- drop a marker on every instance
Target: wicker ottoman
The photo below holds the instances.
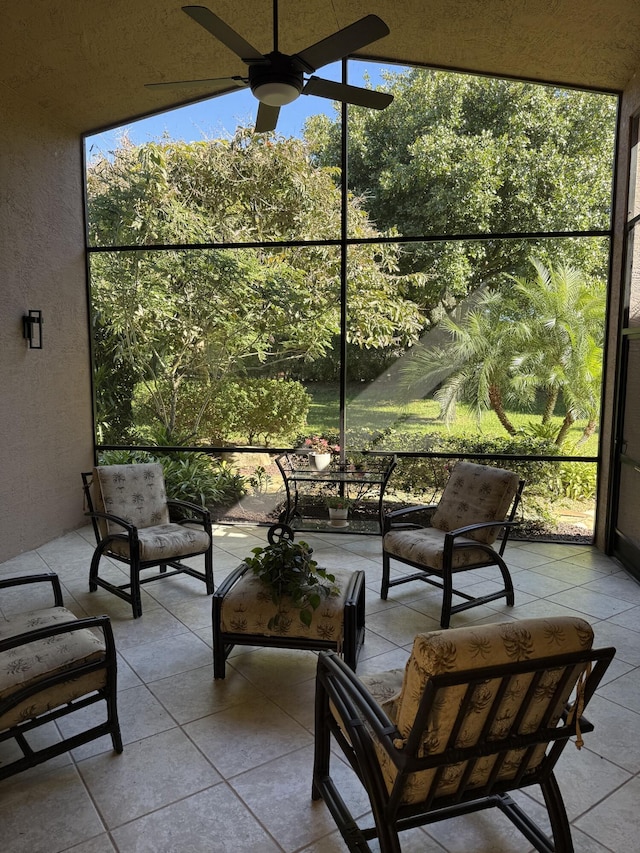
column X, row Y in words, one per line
column 242, row 608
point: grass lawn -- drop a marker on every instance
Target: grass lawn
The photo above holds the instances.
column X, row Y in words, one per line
column 418, row 417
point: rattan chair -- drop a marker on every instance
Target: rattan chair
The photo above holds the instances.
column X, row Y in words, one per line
column 478, row 505
column 477, row 714
column 52, row 665
column 135, row 523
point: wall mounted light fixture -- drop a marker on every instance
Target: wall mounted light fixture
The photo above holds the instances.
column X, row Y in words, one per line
column 32, row 329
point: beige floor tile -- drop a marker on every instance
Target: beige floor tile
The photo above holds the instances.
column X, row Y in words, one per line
column 244, row 737
column 187, row 696
column 99, row 844
column 46, row 813
column 162, row 658
column 213, row 820
column 148, row 775
column 279, row 794
column 140, row 715
column 185, row 733
column 614, row 821
column 593, row 604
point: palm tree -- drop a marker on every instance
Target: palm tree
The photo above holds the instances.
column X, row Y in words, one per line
column 543, row 335
column 474, row 365
column 559, row 328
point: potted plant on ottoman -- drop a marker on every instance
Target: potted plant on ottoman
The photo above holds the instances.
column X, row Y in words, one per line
column 288, row 570
column 338, row 510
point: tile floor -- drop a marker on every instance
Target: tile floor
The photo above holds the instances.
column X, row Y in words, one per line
column 226, row 765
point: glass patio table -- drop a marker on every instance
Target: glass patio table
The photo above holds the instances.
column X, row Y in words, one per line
column 350, row 481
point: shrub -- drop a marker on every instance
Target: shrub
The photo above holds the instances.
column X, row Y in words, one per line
column 193, row 477
column 576, row 480
column 249, row 410
column 428, row 475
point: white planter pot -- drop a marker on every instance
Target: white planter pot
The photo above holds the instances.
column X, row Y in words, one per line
column 338, row 517
column 319, row 461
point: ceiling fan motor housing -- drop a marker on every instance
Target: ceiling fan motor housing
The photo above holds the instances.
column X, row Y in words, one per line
column 277, row 82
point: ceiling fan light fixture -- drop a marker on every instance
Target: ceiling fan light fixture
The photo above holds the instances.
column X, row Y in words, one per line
column 276, row 93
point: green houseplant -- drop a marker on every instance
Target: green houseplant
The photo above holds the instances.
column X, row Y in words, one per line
column 289, row 571
column 338, row 506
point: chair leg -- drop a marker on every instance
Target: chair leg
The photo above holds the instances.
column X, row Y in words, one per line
column 447, row 597
column 208, row 569
column 508, row 582
column 557, row 816
column 219, row 651
column 93, row 571
column 384, row 589
column 136, row 596
column 322, row 743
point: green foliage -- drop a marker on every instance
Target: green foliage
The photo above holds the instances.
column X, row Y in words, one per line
column 175, row 316
column 287, row 569
column 260, row 480
column 193, row 477
column 457, row 154
column 263, row 409
column 228, row 410
column 576, row 480
column 338, row 501
column 542, row 335
column 428, row 476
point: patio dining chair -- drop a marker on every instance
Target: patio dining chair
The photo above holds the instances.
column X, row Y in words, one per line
column 477, row 714
column 478, row 504
column 135, row 523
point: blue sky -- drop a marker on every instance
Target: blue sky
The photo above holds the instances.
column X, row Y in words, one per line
column 218, row 117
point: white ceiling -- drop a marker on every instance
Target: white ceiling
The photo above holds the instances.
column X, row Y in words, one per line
column 86, row 61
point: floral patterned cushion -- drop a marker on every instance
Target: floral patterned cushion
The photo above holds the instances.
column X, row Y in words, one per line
column 136, row 493
column 426, row 547
column 473, row 494
column 248, row 607
column 28, row 664
column 385, row 687
column 165, row 541
column 471, row 648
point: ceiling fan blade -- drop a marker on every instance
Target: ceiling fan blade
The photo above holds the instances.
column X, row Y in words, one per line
column 176, row 84
column 341, row 44
column 223, row 32
column 349, row 94
column 267, row 118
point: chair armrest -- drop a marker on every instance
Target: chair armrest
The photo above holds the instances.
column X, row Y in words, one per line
column 358, row 709
column 201, row 511
column 231, row 579
column 102, row 622
column 390, row 517
column 116, row 519
column 469, row 528
column 47, row 577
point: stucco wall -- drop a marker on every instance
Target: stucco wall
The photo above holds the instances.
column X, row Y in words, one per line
column 45, row 398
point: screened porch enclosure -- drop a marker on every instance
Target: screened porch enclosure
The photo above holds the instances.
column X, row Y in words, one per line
column 379, row 281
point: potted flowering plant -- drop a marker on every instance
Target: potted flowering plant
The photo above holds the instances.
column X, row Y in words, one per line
column 319, row 451
column 338, row 506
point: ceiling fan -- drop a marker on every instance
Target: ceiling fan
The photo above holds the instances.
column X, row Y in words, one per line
column 277, row 79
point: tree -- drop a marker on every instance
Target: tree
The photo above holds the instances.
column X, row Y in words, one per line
column 473, row 365
column 542, row 335
column 461, row 155
column 560, row 327
column 177, row 314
